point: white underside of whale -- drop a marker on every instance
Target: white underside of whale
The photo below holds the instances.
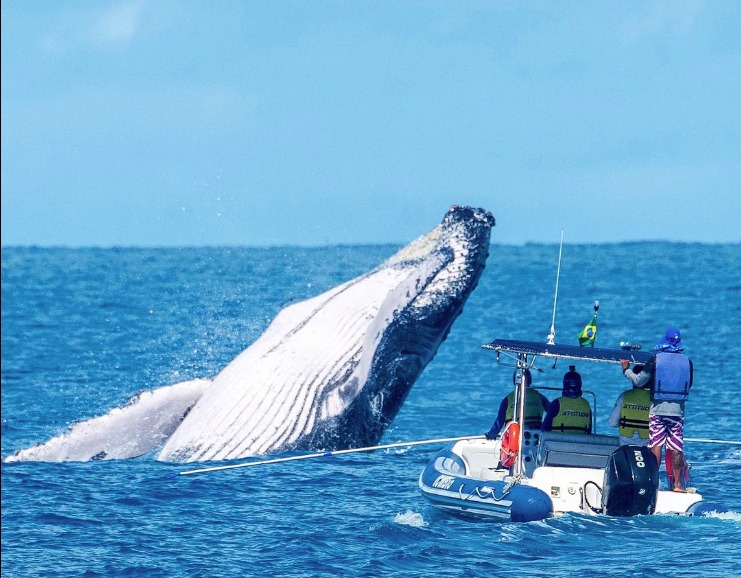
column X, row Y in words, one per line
column 307, row 367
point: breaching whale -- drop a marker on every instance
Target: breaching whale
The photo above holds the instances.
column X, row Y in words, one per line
column 328, row 373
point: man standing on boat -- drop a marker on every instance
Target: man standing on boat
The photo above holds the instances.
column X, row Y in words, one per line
column 535, row 405
column 630, row 414
column 669, row 375
column 570, row 413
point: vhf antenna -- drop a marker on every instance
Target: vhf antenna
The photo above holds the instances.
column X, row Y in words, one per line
column 552, row 334
column 596, row 308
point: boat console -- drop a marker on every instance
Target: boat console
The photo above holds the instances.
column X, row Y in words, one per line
column 575, row 450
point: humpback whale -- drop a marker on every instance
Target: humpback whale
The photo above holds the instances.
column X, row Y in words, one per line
column 329, row 373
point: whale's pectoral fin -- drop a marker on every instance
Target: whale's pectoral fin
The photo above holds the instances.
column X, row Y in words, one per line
column 139, row 427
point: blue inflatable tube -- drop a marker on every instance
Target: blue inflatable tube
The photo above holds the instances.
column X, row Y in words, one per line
column 444, row 484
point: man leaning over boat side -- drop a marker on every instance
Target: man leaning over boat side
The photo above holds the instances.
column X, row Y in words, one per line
column 630, row 413
column 570, row 413
column 669, row 374
column 535, row 405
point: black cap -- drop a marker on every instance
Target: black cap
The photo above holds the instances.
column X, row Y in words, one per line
column 572, row 382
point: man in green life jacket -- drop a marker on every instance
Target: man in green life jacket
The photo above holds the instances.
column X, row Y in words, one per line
column 570, row 413
column 535, row 404
column 630, row 413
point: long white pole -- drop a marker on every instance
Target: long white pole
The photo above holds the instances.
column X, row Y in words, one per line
column 520, row 408
column 330, row 453
column 382, row 447
column 698, row 440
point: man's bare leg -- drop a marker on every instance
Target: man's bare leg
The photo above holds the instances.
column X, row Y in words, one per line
column 677, row 468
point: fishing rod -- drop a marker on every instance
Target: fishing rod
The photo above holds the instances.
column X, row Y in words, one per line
column 329, row 453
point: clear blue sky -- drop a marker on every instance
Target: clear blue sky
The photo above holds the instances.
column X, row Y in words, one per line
column 167, row 123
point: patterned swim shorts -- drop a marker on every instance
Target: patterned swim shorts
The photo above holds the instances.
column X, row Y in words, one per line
column 666, row 430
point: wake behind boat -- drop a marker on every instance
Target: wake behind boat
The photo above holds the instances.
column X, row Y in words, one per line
column 553, row 472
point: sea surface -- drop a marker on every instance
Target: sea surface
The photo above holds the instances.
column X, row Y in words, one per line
column 84, row 330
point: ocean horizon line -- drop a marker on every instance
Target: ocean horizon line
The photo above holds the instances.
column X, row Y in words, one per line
column 42, row 247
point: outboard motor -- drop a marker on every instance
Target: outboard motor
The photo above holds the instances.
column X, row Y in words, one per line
column 631, row 482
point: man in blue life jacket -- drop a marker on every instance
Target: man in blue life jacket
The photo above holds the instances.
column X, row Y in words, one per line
column 535, row 404
column 669, row 375
column 570, row 413
column 630, row 414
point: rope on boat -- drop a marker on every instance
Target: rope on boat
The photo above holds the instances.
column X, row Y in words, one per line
column 583, row 492
column 491, row 493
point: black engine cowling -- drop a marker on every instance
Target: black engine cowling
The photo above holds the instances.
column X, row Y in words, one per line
column 631, row 482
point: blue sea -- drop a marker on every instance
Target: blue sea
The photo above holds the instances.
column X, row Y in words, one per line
column 84, row 330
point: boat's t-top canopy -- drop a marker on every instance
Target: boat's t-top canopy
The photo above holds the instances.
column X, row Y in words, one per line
column 534, row 348
column 527, row 351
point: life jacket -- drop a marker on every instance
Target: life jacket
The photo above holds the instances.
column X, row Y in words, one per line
column 634, row 413
column 533, row 415
column 574, row 415
column 672, row 377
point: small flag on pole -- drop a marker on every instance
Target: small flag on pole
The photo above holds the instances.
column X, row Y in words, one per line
column 587, row 335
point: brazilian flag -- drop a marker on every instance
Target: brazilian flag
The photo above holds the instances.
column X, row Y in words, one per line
column 587, row 335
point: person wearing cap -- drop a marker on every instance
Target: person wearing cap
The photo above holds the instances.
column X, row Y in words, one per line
column 570, row 413
column 535, row 404
column 669, row 375
column 630, row 414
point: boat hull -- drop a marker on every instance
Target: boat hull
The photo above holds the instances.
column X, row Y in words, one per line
column 445, row 484
column 565, row 474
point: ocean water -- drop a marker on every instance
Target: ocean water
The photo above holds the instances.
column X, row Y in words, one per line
column 83, row 330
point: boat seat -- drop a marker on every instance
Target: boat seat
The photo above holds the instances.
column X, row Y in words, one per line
column 575, row 450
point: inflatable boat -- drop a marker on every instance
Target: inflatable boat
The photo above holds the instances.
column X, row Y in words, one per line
column 527, row 475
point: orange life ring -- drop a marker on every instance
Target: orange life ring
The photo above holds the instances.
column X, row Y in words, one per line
column 510, row 444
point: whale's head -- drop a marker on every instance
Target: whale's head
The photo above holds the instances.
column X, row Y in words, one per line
column 441, row 269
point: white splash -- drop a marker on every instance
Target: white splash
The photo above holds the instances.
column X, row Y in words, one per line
column 410, row 518
column 733, row 516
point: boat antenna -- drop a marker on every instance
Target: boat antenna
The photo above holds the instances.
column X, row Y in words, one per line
column 596, row 308
column 552, row 334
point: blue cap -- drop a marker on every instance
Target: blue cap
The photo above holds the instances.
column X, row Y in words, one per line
column 671, row 342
